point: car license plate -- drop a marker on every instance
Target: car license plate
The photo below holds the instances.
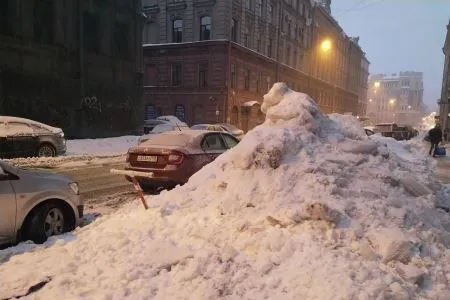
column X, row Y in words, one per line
column 147, row 158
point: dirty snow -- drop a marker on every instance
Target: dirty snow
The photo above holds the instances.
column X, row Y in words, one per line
column 305, row 207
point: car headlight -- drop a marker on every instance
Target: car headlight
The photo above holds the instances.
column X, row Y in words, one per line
column 74, row 187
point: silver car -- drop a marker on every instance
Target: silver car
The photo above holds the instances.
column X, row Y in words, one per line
column 36, row 204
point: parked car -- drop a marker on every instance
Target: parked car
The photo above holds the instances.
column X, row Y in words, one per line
column 175, row 156
column 395, row 131
column 236, row 132
column 36, row 204
column 369, row 132
column 161, row 128
column 149, row 125
column 24, row 138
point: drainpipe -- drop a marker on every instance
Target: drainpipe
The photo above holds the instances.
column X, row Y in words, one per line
column 280, row 18
column 228, row 93
column 81, row 46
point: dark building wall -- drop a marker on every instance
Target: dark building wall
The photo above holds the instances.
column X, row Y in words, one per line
column 73, row 64
column 238, row 78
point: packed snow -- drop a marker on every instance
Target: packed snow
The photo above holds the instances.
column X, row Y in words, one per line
column 305, row 207
column 106, row 146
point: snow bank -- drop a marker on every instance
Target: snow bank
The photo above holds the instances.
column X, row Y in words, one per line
column 107, row 146
column 305, row 207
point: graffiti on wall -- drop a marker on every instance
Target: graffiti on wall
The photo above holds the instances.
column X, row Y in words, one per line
column 91, row 103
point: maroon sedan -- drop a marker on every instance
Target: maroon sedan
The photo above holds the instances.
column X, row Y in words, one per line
column 175, row 156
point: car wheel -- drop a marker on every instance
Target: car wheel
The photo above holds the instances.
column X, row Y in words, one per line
column 46, row 150
column 45, row 221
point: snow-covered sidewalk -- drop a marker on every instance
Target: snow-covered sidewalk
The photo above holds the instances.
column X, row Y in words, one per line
column 305, row 207
column 106, row 146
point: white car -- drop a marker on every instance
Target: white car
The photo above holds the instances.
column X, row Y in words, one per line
column 158, row 129
column 149, row 125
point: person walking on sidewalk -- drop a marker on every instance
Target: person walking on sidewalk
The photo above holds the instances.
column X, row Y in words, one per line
column 435, row 135
column 446, row 135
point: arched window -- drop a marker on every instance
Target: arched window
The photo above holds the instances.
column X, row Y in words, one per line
column 205, row 28
column 180, row 112
column 150, row 112
column 177, row 31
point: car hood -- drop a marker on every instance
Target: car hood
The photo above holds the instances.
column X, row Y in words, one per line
column 44, row 175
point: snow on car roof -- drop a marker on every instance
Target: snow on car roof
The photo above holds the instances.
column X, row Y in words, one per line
column 176, row 138
column 7, row 119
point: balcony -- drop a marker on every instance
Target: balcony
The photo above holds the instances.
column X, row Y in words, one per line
column 176, row 5
column 151, row 9
column 204, row 3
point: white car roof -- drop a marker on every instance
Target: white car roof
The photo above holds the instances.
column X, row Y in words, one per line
column 9, row 119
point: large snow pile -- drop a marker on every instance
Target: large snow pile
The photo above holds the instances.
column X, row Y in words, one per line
column 305, row 207
column 106, row 146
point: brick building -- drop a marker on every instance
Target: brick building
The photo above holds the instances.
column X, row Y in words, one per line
column 444, row 102
column 72, row 64
column 212, row 61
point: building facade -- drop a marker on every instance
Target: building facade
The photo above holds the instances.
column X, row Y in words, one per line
column 396, row 99
column 444, row 102
column 72, row 64
column 218, row 58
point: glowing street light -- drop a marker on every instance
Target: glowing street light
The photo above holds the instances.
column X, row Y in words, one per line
column 326, row 45
column 409, row 106
column 376, row 84
column 370, row 100
column 392, row 101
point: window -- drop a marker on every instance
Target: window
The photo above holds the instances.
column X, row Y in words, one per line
column 213, row 142
column 247, row 79
column 246, row 40
column 270, row 14
column 150, row 112
column 269, row 48
column 180, row 112
column 121, row 40
column 258, row 45
column 203, row 75
column 288, row 55
column 176, row 75
column 15, row 128
column 295, row 59
column 230, row 141
column 258, row 7
column 91, row 32
column 233, row 76
column 234, row 30
column 205, row 28
column 150, row 75
column 43, row 21
column 247, row 4
column 177, row 31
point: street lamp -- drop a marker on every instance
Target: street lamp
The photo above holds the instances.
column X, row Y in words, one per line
column 376, row 84
column 326, row 45
column 392, row 101
column 370, row 100
column 409, row 106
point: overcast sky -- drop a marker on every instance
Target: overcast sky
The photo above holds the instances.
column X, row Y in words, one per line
column 400, row 35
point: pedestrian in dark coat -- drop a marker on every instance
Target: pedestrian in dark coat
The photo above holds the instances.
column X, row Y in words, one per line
column 446, row 135
column 435, row 135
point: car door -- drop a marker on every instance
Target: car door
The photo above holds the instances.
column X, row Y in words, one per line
column 24, row 140
column 7, row 208
column 213, row 145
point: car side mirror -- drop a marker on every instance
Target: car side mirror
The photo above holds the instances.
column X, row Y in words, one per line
column 8, row 176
